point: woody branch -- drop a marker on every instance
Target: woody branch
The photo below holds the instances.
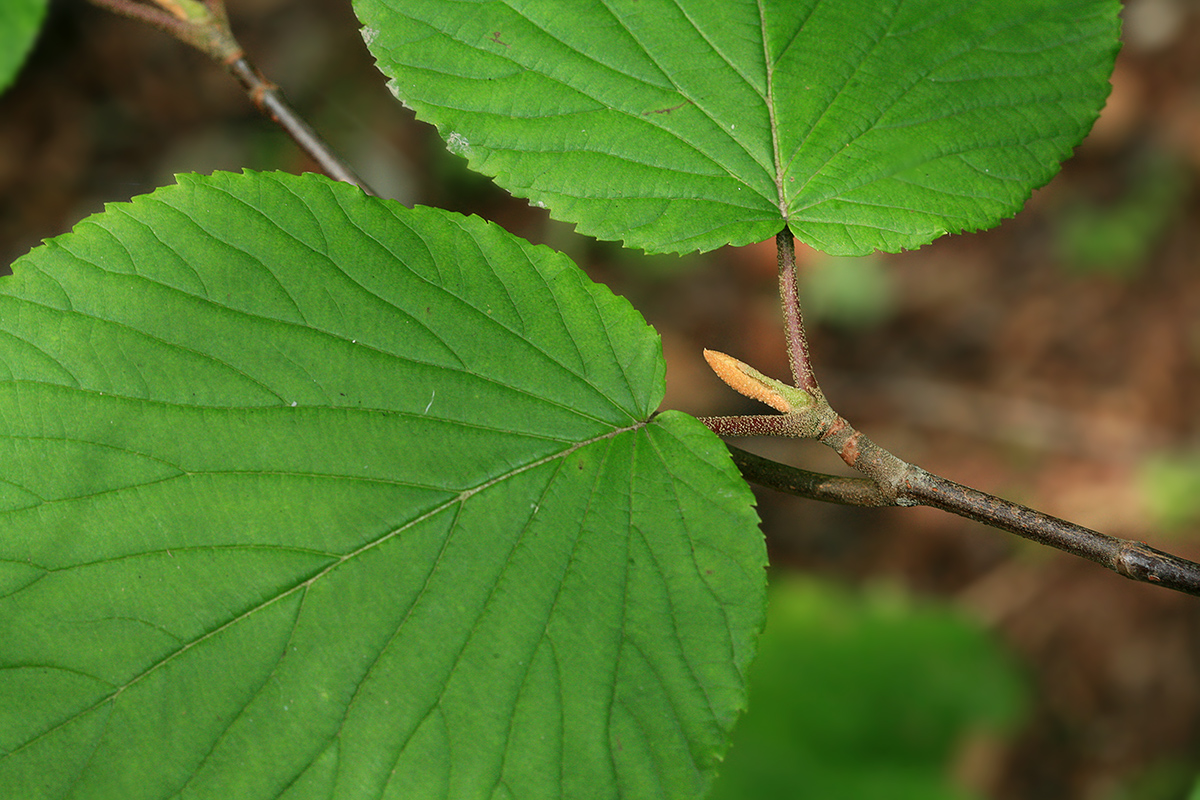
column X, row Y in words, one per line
column 889, row 480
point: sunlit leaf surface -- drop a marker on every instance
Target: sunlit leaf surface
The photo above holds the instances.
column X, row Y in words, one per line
column 305, row 494
column 677, row 125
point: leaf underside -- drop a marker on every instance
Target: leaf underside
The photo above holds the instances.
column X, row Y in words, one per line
column 680, row 125
column 305, row 494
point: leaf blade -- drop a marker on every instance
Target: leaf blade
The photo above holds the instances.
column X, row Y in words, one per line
column 300, row 481
column 679, row 126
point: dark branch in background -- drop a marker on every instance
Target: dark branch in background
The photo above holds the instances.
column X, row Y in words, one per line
column 891, row 481
column 205, row 26
column 269, row 100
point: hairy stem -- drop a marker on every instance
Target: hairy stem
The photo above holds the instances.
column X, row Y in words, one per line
column 793, row 320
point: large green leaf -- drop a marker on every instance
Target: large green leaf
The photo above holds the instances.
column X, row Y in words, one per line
column 20, row 21
column 688, row 124
column 304, row 494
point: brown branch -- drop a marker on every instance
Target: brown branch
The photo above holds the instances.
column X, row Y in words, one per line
column 1135, row 560
column 267, row 97
column 803, row 483
column 892, row 481
column 205, row 26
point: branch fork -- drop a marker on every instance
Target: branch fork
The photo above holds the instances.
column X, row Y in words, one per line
column 888, row 480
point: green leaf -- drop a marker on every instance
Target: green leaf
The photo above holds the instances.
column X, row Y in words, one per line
column 864, row 696
column 305, row 494
column 675, row 125
column 20, row 20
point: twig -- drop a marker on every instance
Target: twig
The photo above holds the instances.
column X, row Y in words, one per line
column 803, row 483
column 890, row 480
column 267, row 97
column 150, row 15
column 205, row 26
column 1135, row 560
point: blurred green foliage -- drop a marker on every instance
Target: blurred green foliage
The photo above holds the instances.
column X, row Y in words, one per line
column 848, row 292
column 1168, row 779
column 1170, row 485
column 863, row 696
column 1116, row 238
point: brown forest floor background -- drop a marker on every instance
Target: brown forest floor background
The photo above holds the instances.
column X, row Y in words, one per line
column 1017, row 360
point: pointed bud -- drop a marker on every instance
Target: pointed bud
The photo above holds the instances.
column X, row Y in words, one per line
column 747, row 380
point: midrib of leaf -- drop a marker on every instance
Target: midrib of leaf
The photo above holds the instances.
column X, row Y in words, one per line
column 769, row 64
column 607, row 104
column 879, row 112
column 459, row 499
column 737, row 70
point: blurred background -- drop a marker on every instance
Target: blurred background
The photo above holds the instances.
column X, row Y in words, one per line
column 1054, row 360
